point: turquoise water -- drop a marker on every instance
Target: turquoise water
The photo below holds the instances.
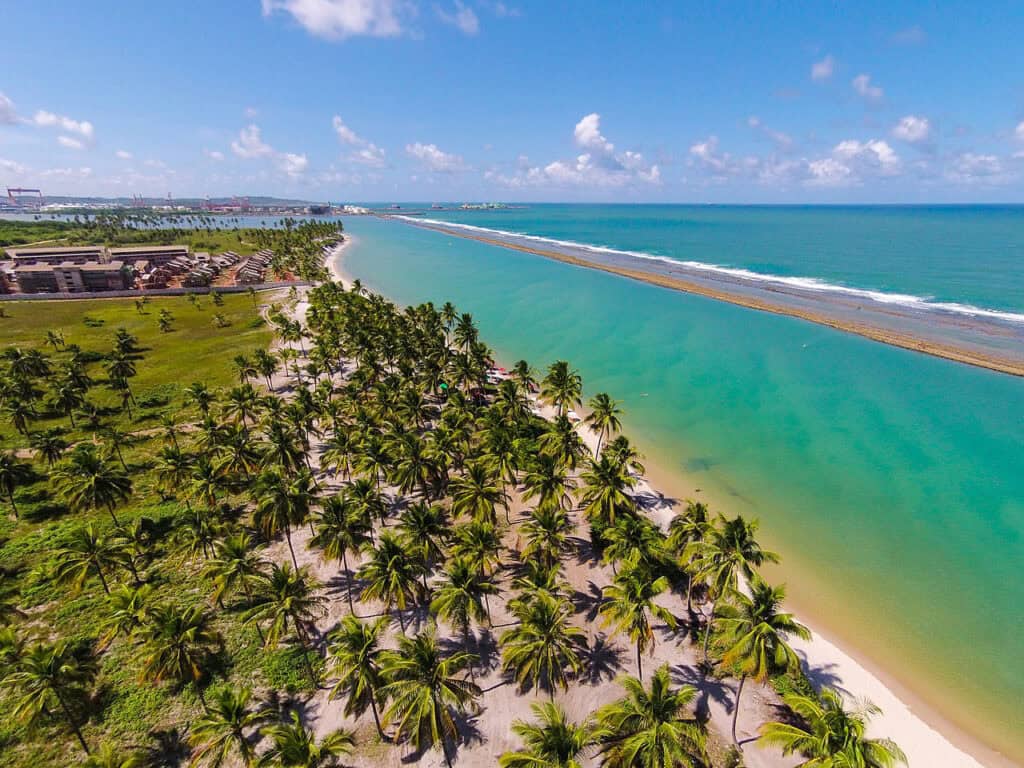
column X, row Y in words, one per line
column 892, row 483
column 968, row 254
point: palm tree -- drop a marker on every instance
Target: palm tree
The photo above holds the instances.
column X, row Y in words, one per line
column 177, row 645
column 459, row 599
column 629, row 607
column 424, row 529
column 199, row 394
column 67, row 398
column 390, row 575
column 50, row 445
column 691, row 525
column 14, row 474
column 48, row 677
column 648, row 727
column 87, row 552
column 282, row 503
column 543, row 650
column 235, row 565
column 341, row 528
column 356, row 658
column 603, row 418
column 129, row 609
column 831, row 735
column 562, row 387
column 606, row 486
column 755, row 633
column 87, row 481
column 551, row 741
column 220, row 730
column 295, row 746
column 730, row 551
column 111, row 756
column 549, row 482
column 547, row 535
column 426, row 691
column 288, row 597
column 475, row 494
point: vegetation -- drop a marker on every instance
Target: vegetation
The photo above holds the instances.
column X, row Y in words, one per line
column 196, row 580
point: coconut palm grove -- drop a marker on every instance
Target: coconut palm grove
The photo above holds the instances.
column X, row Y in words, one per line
column 344, row 537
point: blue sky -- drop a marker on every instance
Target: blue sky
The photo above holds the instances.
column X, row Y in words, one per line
column 353, row 100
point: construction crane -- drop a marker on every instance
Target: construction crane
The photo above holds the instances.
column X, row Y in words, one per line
column 13, row 193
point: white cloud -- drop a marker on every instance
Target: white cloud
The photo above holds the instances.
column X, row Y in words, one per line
column 9, row 166
column 828, row 172
column 461, row 17
column 213, row 154
column 339, row 19
column 874, row 155
column 8, row 115
column 48, row 119
column 366, row 152
column 912, row 129
column 822, row 70
column 782, row 140
column 588, row 134
column 123, row 154
column 598, row 167
column 971, row 168
column 250, row 143
column 152, row 163
column 250, row 113
column 862, row 85
column 1019, row 131
column 70, row 142
column 66, row 173
column 292, row 164
column 434, row 159
column 910, row 36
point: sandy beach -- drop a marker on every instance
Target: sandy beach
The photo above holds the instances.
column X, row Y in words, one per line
column 926, row 738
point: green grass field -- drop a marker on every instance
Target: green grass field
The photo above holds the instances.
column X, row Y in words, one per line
column 195, row 350
column 21, row 233
column 124, row 711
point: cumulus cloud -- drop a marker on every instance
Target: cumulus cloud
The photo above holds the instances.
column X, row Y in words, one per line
column 1019, row 131
column 66, row 173
column 598, row 166
column 251, row 113
column 781, row 140
column 292, row 164
column 340, row 19
column 822, row 70
column 588, row 134
column 912, row 129
column 69, row 142
column 364, row 152
column 434, row 159
column 250, row 145
column 213, row 154
column 862, row 85
column 8, row 114
column 461, row 17
column 123, row 154
column 48, row 119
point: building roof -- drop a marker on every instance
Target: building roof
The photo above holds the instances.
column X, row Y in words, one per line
column 147, row 249
column 29, row 253
column 34, row 268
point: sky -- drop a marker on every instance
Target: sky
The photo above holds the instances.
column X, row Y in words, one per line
column 516, row 100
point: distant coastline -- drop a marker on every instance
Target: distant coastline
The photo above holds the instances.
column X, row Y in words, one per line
column 965, row 353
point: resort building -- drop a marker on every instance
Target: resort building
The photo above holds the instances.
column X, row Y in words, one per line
column 76, row 255
column 91, row 277
column 36, row 278
column 156, row 255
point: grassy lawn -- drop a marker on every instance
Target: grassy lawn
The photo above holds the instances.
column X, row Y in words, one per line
column 20, row 233
column 195, row 350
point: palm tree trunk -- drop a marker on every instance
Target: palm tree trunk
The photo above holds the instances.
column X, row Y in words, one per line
column 71, row 721
column 348, row 583
column 376, row 716
column 288, row 536
column 707, row 629
column 110, row 509
column 639, row 662
column 10, row 497
column 736, row 710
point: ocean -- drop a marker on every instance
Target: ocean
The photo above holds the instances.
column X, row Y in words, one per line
column 892, row 483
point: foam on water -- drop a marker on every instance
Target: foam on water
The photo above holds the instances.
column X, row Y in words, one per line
column 918, row 303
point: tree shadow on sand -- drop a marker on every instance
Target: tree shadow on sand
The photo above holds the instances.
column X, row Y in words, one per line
column 822, row 675
column 708, row 688
column 602, row 661
column 589, row 602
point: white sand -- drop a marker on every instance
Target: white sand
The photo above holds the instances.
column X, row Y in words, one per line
column 924, row 746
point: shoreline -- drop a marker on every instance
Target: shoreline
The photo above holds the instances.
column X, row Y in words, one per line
column 958, row 354
column 928, row 737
